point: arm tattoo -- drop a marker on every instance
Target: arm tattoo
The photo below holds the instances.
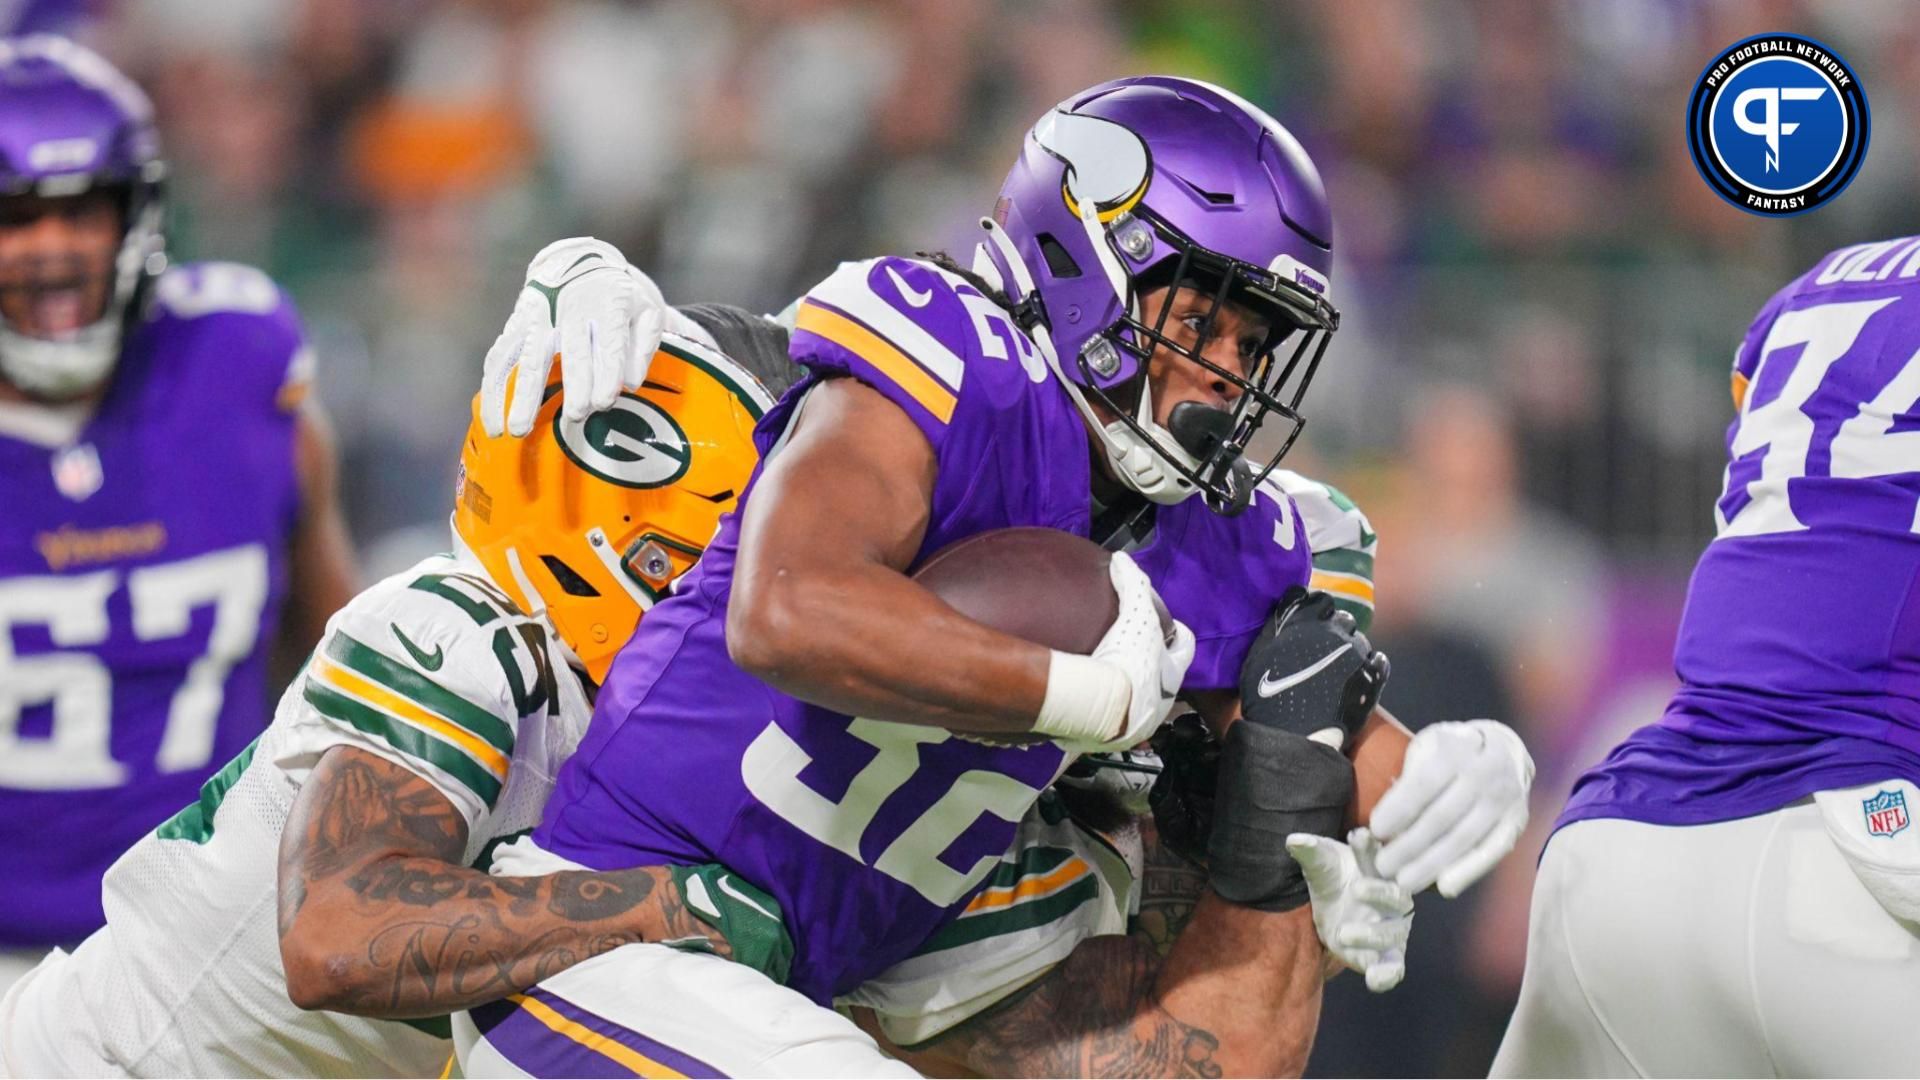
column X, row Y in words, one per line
column 1170, row 886
column 372, row 896
column 1095, row 1014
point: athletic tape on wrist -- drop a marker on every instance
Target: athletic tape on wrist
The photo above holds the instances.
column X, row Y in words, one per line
column 1086, row 699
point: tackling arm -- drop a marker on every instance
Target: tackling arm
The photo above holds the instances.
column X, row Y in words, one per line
column 377, row 917
column 1200, row 988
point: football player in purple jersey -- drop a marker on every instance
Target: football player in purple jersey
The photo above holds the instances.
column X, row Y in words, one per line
column 168, row 490
column 1152, row 291
column 1753, row 846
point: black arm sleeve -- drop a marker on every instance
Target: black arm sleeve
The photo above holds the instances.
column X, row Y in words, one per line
column 755, row 342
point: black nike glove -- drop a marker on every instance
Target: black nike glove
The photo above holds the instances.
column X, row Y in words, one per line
column 1311, row 670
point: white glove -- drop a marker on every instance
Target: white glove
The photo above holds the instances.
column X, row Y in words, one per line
column 1459, row 805
column 1116, row 698
column 585, row 305
column 1362, row 919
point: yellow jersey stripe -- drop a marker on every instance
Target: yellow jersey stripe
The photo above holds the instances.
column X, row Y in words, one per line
column 1346, row 586
column 1739, row 391
column 1031, row 888
column 641, row 1064
column 878, row 351
column 477, row 748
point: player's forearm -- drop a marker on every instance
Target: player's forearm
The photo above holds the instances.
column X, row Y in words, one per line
column 1238, row 996
column 1379, row 748
column 378, row 918
column 403, row 937
column 866, row 641
column 1254, row 977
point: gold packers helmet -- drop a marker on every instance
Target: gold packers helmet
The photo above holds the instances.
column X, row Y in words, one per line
column 590, row 522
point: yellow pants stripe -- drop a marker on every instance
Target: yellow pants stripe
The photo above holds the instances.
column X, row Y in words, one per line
column 641, row 1064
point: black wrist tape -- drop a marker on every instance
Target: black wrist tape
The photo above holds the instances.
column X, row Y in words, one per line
column 1272, row 783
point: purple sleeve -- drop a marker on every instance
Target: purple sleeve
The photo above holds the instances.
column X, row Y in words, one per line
column 241, row 320
column 896, row 325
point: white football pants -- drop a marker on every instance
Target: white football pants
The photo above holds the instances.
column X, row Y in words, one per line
column 1779, row 945
column 650, row 1010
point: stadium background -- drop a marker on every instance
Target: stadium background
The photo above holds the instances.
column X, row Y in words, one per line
column 1528, row 394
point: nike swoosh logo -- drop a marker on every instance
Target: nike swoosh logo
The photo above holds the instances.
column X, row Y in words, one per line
column 697, row 898
column 726, row 886
column 429, row 660
column 916, row 297
column 1270, row 686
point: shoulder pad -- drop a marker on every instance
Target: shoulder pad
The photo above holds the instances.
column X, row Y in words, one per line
column 1331, row 518
column 909, row 323
column 1342, row 540
column 439, row 669
column 261, row 329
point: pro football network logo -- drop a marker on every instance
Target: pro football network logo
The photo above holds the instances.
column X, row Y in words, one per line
column 1777, row 124
column 1886, row 813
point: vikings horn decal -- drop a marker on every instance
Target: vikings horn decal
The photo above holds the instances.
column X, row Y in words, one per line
column 1105, row 161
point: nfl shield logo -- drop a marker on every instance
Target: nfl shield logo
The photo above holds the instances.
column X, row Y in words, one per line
column 1886, row 813
column 76, row 472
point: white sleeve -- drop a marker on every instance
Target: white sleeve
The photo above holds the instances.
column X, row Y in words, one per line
column 432, row 669
column 1342, row 539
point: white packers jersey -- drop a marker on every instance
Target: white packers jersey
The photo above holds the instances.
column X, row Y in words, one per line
column 433, row 669
column 1342, row 539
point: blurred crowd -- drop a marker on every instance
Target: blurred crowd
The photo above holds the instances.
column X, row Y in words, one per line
column 1541, row 297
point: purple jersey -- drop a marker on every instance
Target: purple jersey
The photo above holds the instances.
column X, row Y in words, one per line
column 141, row 572
column 870, row 835
column 1222, row 576
column 1799, row 653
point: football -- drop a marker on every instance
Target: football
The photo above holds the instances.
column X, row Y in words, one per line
column 1046, row 586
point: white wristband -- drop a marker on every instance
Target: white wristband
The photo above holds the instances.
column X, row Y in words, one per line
column 1086, row 700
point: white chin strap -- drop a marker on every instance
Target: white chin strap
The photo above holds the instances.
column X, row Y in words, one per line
column 60, row 369
column 1134, row 462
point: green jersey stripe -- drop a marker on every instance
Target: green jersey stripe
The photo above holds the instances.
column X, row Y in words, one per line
column 405, row 738
column 1033, row 861
column 423, row 691
column 438, row 586
column 1338, row 498
column 1344, row 561
column 195, row 820
column 966, row 931
column 440, row 1027
column 1362, row 613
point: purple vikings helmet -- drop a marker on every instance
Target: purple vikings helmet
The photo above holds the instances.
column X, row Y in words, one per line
column 70, row 124
column 1144, row 182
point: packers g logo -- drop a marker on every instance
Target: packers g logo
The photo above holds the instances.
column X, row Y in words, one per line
column 634, row 444
column 1777, row 124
